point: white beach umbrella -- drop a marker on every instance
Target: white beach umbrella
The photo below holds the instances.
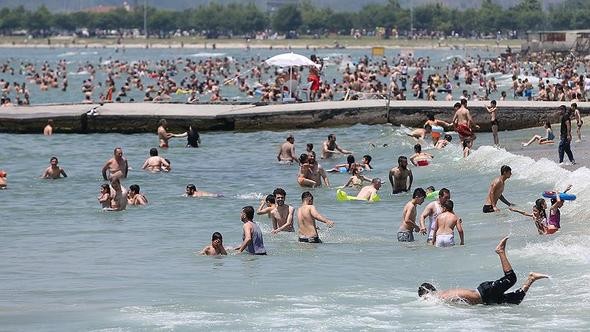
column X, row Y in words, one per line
column 290, row 60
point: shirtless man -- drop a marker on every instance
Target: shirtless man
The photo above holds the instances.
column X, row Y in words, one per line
column 287, row 151
column 408, row 224
column 317, row 172
column 48, row 129
column 118, row 196
column 463, row 121
column 282, row 214
column 216, row 246
column 371, row 190
column 329, row 147
column 444, row 228
column 492, row 109
column 420, row 133
column 488, row 292
column 306, row 218
column 579, row 122
column 192, row 191
column 53, row 171
column 155, row 163
column 496, row 190
column 398, row 176
column 3, row 183
column 431, row 211
column 164, row 135
column 117, row 166
column 135, row 197
column 420, row 158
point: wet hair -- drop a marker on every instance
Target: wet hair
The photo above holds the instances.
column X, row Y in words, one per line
column 216, row 236
column 431, row 188
column 418, row 148
column 191, row 186
column 448, row 205
column 270, row 199
column 539, row 206
column 153, row 152
column 444, row 191
column 457, row 105
column 493, row 102
column 504, row 169
column 134, row 188
column 249, row 212
column 105, row 186
column 419, row 192
column 52, row 158
column 402, row 158
column 466, row 143
column 306, row 194
column 553, row 201
column 168, row 161
column 303, row 158
column 368, row 158
column 331, row 136
column 430, row 117
column 425, row 288
column 279, row 191
column 350, row 160
column 310, row 146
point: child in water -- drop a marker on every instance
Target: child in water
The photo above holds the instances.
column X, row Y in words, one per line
column 356, row 180
column 105, row 196
column 267, row 205
column 466, row 148
column 538, row 215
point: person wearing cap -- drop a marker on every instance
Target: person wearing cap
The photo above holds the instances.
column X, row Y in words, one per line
column 3, row 182
column 287, row 151
column 371, row 190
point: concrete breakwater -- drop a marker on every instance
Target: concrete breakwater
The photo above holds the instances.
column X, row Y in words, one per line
column 143, row 117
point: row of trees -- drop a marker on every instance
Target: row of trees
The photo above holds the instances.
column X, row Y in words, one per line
column 242, row 19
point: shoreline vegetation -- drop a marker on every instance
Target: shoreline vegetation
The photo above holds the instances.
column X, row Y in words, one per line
column 336, row 43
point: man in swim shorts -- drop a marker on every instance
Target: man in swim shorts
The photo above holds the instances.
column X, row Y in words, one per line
column 408, row 224
column 307, row 215
column 496, row 191
column 117, row 166
column 282, row 214
column 398, row 176
column 329, row 147
column 53, row 171
column 252, row 240
column 463, row 121
column 444, row 227
column 488, row 292
column 287, row 151
column 368, row 192
column 431, row 211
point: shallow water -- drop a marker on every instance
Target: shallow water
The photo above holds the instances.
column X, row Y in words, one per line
column 66, row 265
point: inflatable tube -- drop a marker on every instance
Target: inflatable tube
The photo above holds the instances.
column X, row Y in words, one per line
column 432, row 196
column 438, row 129
column 342, row 196
column 563, row 196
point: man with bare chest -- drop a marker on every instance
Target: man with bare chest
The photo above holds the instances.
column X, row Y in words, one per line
column 282, row 214
column 117, row 166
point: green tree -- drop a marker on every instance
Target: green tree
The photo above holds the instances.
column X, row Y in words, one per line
column 41, row 19
column 287, row 18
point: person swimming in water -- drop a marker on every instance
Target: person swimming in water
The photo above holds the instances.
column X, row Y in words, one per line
column 420, row 158
column 488, row 292
column 216, row 246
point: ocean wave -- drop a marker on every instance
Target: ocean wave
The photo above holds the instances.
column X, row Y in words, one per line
column 250, row 196
column 207, row 55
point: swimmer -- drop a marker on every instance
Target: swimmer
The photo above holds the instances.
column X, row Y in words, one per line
column 318, row 174
column 431, row 121
column 104, row 198
column 421, row 133
column 371, row 190
column 444, row 227
column 492, row 109
column 350, row 161
column 488, row 292
column 309, row 148
column 287, row 151
column 252, row 240
column 304, row 175
column 48, row 129
column 356, row 179
column 467, row 144
column 399, row 176
column 216, row 246
column 442, row 143
column 496, row 191
column 135, row 197
column 329, row 147
column 266, row 205
column 408, row 225
column 420, row 158
column 155, row 163
column 543, row 140
column 192, row 191
column 282, row 215
column 164, row 136
column 53, row 171
column 538, row 215
column 3, row 182
column 117, row 166
column 366, row 163
column 307, row 215
column 432, row 211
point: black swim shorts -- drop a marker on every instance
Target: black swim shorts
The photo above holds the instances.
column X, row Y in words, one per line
column 488, row 209
column 493, row 292
column 313, row 239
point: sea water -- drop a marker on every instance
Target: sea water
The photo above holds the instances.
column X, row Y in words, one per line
column 66, row 265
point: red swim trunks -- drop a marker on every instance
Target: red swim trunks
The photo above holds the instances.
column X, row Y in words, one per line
column 463, row 130
column 422, row 162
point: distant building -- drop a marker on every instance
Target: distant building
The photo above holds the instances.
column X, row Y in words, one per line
column 558, row 41
column 274, row 5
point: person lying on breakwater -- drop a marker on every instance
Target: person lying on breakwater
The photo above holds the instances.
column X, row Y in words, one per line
column 399, row 176
column 282, row 214
column 420, row 133
column 216, row 246
column 164, row 135
column 53, row 171
column 444, row 227
column 307, row 214
column 420, row 158
column 496, row 191
column 287, row 151
column 155, row 163
column 329, row 147
column 543, row 140
column 371, row 190
column 135, row 197
column 266, row 205
column 408, row 225
column 192, row 191
column 252, row 240
column 488, row 292
column 117, row 166
column 442, row 143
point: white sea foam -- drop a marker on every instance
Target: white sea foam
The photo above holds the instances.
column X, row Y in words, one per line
column 207, row 55
column 250, row 196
